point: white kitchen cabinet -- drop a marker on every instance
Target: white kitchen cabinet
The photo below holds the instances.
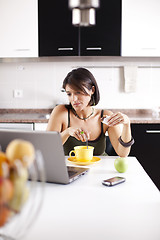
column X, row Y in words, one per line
column 40, row 126
column 17, row 126
column 140, row 28
column 25, row 126
column 18, row 28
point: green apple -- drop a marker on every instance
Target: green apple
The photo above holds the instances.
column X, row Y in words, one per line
column 121, row 164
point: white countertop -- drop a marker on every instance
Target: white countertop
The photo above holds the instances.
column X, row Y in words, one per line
column 88, row 210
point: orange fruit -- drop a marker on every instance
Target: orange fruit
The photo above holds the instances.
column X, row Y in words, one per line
column 6, row 190
column 4, row 167
column 3, row 157
column 4, row 215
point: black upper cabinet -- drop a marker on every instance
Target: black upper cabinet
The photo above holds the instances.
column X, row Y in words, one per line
column 103, row 39
column 58, row 37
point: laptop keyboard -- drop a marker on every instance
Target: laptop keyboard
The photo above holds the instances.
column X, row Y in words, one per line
column 71, row 172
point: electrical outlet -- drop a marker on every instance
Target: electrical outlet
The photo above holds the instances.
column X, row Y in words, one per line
column 17, row 93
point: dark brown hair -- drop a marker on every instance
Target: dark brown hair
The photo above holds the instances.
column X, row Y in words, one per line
column 80, row 79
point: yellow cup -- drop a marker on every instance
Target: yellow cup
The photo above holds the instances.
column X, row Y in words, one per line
column 82, row 153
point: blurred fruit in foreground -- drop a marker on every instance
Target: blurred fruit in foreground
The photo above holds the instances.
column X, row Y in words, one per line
column 22, row 150
column 6, row 190
column 4, row 167
column 5, row 214
column 20, row 197
column 18, row 172
column 21, row 192
column 14, row 165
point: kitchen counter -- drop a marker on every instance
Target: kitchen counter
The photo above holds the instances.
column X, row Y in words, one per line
column 140, row 115
column 24, row 115
column 42, row 115
column 86, row 209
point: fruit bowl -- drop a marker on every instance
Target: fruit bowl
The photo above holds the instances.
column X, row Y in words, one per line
column 21, row 192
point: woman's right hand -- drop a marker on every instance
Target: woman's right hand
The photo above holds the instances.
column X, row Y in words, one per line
column 79, row 133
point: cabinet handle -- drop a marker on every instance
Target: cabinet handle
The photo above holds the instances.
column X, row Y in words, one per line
column 65, row 49
column 149, row 48
column 22, row 49
column 94, row 48
column 152, row 131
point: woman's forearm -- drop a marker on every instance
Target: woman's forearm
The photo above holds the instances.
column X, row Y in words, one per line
column 126, row 133
column 65, row 135
column 126, row 137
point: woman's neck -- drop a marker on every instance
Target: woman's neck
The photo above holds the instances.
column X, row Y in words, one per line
column 84, row 114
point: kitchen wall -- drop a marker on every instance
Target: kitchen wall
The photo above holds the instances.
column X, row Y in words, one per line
column 41, row 80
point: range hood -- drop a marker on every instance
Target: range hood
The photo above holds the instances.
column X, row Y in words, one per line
column 83, row 12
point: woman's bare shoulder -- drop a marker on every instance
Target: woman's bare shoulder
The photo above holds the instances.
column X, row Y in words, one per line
column 57, row 118
column 60, row 107
column 107, row 112
column 59, row 110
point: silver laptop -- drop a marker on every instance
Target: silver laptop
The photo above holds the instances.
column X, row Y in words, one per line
column 50, row 145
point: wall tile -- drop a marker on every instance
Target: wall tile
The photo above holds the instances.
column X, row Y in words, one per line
column 41, row 83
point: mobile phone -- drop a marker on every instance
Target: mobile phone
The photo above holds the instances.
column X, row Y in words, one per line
column 113, row 181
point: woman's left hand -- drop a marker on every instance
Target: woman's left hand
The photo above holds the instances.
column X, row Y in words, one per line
column 118, row 118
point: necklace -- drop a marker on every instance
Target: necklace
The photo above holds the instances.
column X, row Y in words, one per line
column 85, row 118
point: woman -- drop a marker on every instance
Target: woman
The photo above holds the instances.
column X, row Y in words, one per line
column 80, row 121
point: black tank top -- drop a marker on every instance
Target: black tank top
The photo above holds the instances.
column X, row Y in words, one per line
column 99, row 143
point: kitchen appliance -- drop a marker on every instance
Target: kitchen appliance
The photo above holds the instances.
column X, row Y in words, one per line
column 83, row 12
